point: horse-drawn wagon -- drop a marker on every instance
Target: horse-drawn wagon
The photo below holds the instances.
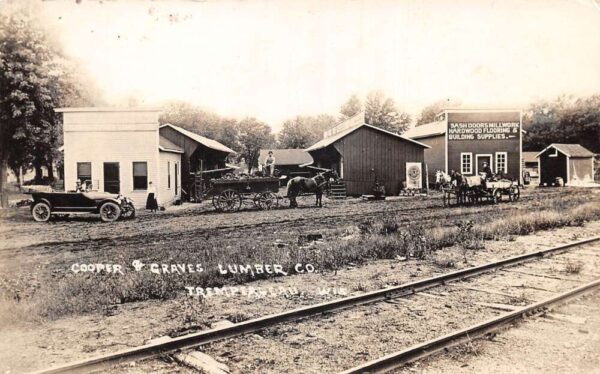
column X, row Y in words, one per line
column 475, row 190
column 229, row 193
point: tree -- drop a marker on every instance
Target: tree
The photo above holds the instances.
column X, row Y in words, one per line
column 203, row 122
column 253, row 136
column 303, row 131
column 429, row 113
column 382, row 112
column 563, row 120
column 32, row 83
column 351, row 107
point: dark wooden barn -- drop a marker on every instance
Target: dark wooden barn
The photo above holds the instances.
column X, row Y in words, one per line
column 360, row 153
column 200, row 153
column 571, row 162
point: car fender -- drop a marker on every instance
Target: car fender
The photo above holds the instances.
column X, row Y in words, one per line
column 102, row 202
column 42, row 200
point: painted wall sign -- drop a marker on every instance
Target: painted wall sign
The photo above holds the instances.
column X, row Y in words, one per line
column 413, row 175
column 483, row 130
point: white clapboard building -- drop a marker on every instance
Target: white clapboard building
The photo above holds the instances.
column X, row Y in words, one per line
column 120, row 151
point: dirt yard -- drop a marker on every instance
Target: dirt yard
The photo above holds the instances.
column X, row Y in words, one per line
column 93, row 314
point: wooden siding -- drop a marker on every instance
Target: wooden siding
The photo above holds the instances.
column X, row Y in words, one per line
column 580, row 169
column 552, row 167
column 366, row 149
column 512, row 147
column 435, row 157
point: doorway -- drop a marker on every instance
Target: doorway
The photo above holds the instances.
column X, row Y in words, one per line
column 480, row 159
column 112, row 182
column 176, row 178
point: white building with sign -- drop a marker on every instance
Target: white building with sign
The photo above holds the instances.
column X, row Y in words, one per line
column 120, row 151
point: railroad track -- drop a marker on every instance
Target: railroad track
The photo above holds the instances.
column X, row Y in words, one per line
column 390, row 361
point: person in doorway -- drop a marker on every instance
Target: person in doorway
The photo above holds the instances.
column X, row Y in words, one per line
column 151, row 201
column 270, row 164
column 487, row 171
column 78, row 186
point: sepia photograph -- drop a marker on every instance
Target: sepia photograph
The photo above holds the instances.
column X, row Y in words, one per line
column 300, row 186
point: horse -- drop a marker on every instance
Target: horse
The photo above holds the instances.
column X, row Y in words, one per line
column 442, row 180
column 314, row 185
column 461, row 184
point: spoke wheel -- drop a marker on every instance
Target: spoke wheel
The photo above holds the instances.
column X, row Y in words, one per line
column 268, row 200
column 497, row 196
column 516, row 193
column 229, row 201
column 128, row 212
column 110, row 212
column 41, row 212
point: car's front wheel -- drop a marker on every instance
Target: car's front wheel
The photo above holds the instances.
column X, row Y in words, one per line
column 41, row 212
column 109, row 212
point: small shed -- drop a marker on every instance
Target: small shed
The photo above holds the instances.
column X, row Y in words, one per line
column 571, row 162
column 288, row 161
column 199, row 154
column 361, row 153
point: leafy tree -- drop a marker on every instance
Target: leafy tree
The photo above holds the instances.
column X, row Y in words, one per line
column 253, row 136
column 34, row 79
column 351, row 107
column 563, row 120
column 203, row 122
column 429, row 113
column 383, row 112
column 303, row 131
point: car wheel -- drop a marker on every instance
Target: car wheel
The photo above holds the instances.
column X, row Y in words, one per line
column 109, row 212
column 41, row 212
column 128, row 213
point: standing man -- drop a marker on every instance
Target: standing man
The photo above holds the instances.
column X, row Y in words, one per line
column 486, row 171
column 270, row 163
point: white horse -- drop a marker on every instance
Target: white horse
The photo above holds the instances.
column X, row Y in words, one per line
column 442, row 179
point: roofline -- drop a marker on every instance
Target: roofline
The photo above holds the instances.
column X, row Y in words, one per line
column 553, row 145
column 106, row 109
column 163, row 149
column 372, row 127
column 428, row 135
column 218, row 150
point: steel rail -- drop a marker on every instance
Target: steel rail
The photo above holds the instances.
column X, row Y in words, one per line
column 398, row 359
column 209, row 336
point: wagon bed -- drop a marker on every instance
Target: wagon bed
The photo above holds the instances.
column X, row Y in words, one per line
column 229, row 194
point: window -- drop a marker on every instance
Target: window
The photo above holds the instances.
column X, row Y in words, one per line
column 466, row 163
column 501, row 162
column 140, row 175
column 84, row 171
column 168, row 174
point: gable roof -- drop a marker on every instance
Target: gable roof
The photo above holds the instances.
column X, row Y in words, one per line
column 166, row 145
column 530, row 156
column 571, row 150
column 286, row 156
column 212, row 144
column 335, row 137
column 428, row 129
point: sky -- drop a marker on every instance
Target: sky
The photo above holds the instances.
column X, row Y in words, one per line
column 276, row 59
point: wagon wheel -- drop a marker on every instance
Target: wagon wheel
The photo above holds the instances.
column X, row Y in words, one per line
column 515, row 193
column 41, row 212
column 215, row 201
column 109, row 212
column 268, row 200
column 229, row 201
column 497, row 196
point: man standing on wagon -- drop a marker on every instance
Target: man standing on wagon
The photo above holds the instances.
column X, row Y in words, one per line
column 270, row 163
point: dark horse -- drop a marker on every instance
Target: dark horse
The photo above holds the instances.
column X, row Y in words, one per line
column 314, row 185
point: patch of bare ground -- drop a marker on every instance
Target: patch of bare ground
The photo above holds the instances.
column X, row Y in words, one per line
column 565, row 341
column 132, row 324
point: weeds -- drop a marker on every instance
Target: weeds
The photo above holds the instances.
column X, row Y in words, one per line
column 573, row 267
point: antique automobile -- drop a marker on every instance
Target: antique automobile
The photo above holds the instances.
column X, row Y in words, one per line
column 111, row 207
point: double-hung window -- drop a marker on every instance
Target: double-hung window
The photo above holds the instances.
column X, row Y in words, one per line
column 501, row 162
column 84, row 171
column 466, row 163
column 140, row 175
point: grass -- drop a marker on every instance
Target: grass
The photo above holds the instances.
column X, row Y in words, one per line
column 387, row 237
column 573, row 267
